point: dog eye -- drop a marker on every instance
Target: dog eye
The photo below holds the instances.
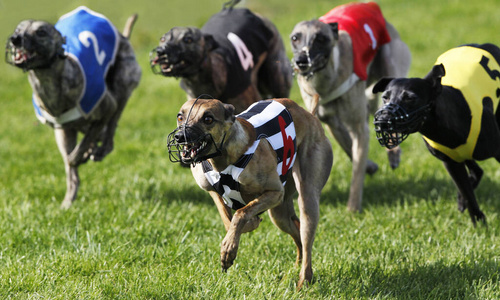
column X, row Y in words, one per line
column 294, row 38
column 187, row 39
column 208, row 120
column 180, row 118
column 41, row 33
column 320, row 38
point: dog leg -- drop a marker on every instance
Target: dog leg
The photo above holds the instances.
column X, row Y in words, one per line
column 229, row 246
column 79, row 155
column 462, row 181
column 338, row 130
column 125, row 75
column 350, row 129
column 475, row 174
column 66, row 142
column 310, row 177
column 283, row 216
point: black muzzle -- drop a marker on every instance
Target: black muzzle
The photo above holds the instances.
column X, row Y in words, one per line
column 188, row 145
column 393, row 124
column 157, row 57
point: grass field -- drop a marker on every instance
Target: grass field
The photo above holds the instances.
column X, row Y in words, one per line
column 142, row 229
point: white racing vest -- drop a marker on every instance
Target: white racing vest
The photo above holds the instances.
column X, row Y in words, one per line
column 272, row 121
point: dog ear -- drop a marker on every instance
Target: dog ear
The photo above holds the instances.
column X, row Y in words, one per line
column 210, row 42
column 434, row 77
column 335, row 29
column 381, row 85
column 229, row 112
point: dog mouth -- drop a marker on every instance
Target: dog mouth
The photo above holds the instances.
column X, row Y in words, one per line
column 190, row 152
column 18, row 56
column 393, row 124
column 188, row 145
column 164, row 64
column 305, row 63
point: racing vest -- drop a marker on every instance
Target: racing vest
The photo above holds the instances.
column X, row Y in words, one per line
column 475, row 73
column 271, row 121
column 92, row 41
column 365, row 24
column 242, row 38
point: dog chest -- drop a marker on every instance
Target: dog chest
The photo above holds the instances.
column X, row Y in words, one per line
column 475, row 73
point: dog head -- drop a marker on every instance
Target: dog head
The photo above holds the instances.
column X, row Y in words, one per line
column 202, row 125
column 181, row 52
column 312, row 44
column 34, row 44
column 407, row 103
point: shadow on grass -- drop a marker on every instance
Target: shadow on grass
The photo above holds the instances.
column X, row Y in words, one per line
column 434, row 281
column 394, row 190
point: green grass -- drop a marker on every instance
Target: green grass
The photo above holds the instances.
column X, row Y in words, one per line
column 142, row 229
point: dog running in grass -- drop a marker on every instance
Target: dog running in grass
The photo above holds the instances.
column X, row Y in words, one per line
column 455, row 108
column 335, row 59
column 82, row 72
column 237, row 57
column 255, row 162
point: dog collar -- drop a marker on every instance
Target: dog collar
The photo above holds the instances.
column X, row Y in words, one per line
column 340, row 90
column 57, row 121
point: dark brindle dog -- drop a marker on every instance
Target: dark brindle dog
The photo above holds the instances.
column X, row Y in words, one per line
column 455, row 108
column 256, row 161
column 237, row 57
column 77, row 91
column 336, row 58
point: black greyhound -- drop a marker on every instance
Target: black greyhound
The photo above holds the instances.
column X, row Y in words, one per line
column 455, row 111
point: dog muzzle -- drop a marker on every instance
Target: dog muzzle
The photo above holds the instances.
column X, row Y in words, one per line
column 190, row 145
column 393, row 124
column 157, row 57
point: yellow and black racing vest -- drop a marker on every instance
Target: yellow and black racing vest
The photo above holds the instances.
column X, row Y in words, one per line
column 473, row 71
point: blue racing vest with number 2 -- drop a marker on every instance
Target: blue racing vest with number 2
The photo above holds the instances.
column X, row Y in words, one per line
column 92, row 41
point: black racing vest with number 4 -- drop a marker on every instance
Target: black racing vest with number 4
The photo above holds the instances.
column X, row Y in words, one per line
column 242, row 37
column 272, row 121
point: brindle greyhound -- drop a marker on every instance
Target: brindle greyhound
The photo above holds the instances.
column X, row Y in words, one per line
column 237, row 57
column 58, row 80
column 254, row 162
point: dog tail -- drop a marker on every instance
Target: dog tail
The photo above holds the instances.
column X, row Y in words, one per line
column 127, row 30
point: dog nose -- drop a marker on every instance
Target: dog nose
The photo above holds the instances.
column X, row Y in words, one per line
column 180, row 136
column 302, row 61
column 16, row 40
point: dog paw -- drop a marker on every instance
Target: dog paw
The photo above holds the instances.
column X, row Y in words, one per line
column 371, row 167
column 100, row 153
column 477, row 216
column 229, row 249
column 394, row 156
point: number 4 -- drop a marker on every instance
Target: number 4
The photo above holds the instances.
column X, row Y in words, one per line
column 245, row 56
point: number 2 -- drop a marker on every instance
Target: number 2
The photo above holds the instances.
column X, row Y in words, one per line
column 85, row 38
